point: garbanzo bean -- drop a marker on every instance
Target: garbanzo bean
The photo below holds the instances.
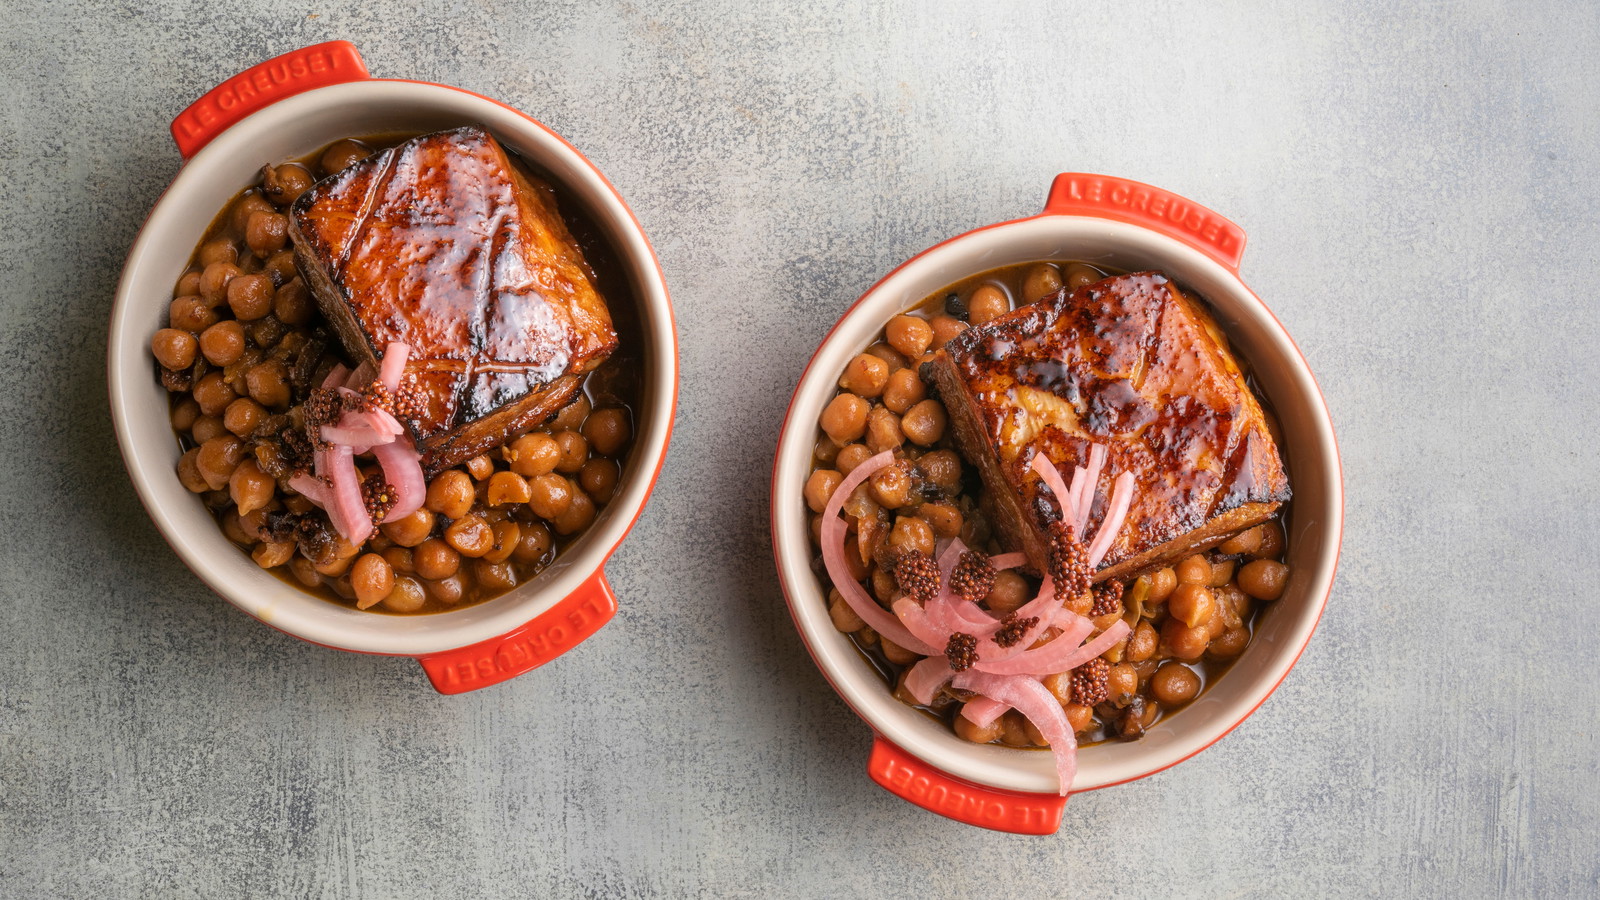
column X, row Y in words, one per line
column 184, row 414
column 450, row 494
column 1271, row 541
column 1041, row 281
column 891, row 487
column 243, row 416
column 608, row 430
column 191, row 314
column 598, row 478
column 883, row 430
column 266, row 232
column 189, row 473
column 1141, row 643
column 572, row 416
column 903, row 390
column 1194, row 570
column 945, row 519
column 910, row 336
column 214, row 281
column 890, row 355
column 434, row 559
column 844, row 618
column 533, row 454
column 911, row 533
column 223, row 343
column 272, row 554
column 924, row 423
column 470, row 536
column 865, row 376
column 1263, row 579
column 174, row 348
column 250, row 296
column 292, row 303
column 480, row 467
column 943, row 468
column 987, row 302
column 578, row 514
column 494, row 577
column 448, row 590
column 508, row 488
column 406, row 597
column 845, row 418
column 534, row 543
column 372, row 579
column 851, row 456
column 207, row 427
column 217, row 250
column 1078, row 275
column 1192, row 604
column 1229, row 644
column 967, row 731
column 507, row 533
column 188, row 284
column 945, row 328
column 409, row 530
column 819, row 487
column 250, row 488
column 549, row 496
column 217, row 460
column 343, row 154
column 1161, row 585
column 1247, row 541
column 574, row 452
column 268, row 383
column 1174, row 683
column 1186, row 642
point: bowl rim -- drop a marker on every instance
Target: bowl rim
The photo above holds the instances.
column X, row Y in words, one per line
column 296, row 612
column 995, row 767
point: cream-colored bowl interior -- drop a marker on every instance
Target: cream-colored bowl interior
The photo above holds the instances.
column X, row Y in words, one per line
column 1313, row 529
column 291, row 128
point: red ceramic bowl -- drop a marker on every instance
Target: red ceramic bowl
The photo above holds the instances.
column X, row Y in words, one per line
column 287, row 107
column 1123, row 225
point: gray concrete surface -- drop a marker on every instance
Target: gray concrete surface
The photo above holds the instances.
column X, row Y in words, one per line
column 1419, row 186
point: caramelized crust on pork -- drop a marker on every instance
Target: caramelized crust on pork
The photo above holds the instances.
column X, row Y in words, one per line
column 443, row 243
column 1137, row 364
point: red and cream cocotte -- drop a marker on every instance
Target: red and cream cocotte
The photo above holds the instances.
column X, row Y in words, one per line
column 1118, row 225
column 282, row 109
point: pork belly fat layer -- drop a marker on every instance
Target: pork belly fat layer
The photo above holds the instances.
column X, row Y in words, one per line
column 443, row 243
column 1137, row 364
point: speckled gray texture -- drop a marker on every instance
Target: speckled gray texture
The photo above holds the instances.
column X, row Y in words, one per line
column 1420, row 189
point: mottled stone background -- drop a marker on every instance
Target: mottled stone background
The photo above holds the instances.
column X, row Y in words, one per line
column 1419, row 186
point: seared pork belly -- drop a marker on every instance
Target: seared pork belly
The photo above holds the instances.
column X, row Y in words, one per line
column 1134, row 363
column 442, row 242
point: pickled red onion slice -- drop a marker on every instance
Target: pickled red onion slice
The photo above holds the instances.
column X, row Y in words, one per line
column 833, row 536
column 1097, row 461
column 1007, row 561
column 1039, row 706
column 982, row 711
column 1052, row 479
column 1116, row 513
column 347, row 510
column 402, row 468
column 1056, row 656
column 336, row 377
column 394, row 364
column 926, row 678
column 310, row 488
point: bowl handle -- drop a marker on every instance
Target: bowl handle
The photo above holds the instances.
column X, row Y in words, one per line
column 528, row 647
column 1121, row 200
column 915, row 781
column 262, row 85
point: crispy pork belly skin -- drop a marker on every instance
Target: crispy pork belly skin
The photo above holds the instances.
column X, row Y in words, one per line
column 1137, row 364
column 443, row 243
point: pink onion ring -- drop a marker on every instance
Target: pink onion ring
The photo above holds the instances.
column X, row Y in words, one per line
column 1116, row 513
column 1040, row 707
column 1097, row 461
column 833, row 535
column 394, row 364
column 347, row 509
column 402, row 468
column 926, row 678
column 982, row 711
column 1056, row 656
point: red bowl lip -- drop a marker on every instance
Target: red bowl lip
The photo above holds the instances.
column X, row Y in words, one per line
column 653, row 476
column 783, row 430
